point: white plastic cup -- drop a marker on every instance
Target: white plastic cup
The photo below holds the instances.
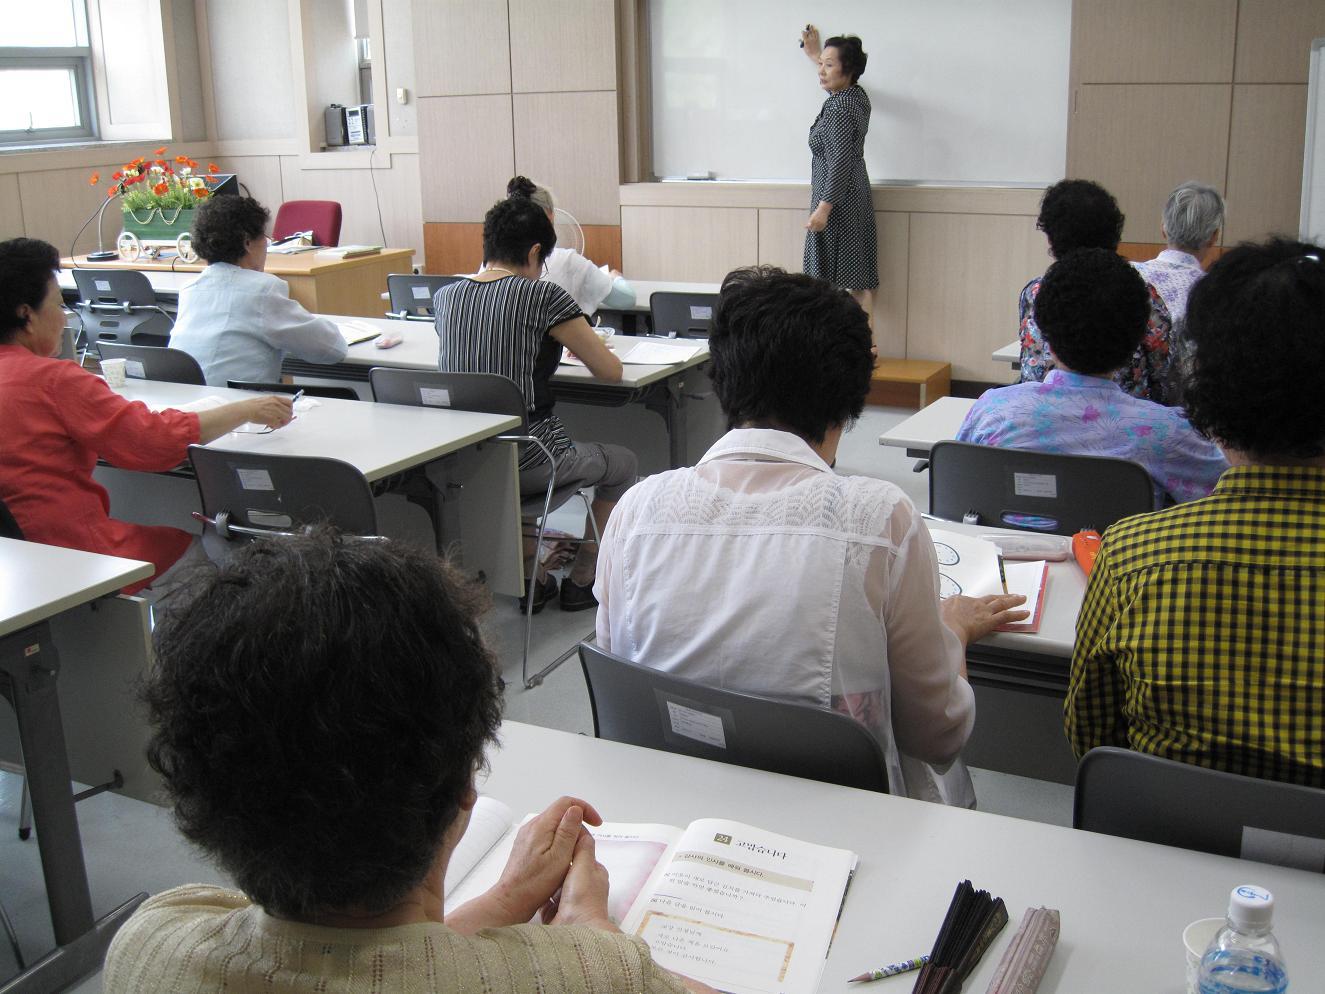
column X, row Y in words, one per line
column 114, row 372
column 604, row 334
column 1197, row 938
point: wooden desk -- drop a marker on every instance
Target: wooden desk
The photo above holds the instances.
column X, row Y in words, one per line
column 39, row 583
column 475, row 485
column 660, row 389
column 334, row 286
column 939, row 422
column 1124, row 904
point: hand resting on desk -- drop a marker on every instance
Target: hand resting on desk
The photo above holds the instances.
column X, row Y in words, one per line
column 972, row 618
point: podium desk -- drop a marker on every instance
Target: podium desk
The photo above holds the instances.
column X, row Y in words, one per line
column 38, row 583
column 334, row 286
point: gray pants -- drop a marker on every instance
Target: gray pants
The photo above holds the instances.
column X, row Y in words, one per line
column 610, row 469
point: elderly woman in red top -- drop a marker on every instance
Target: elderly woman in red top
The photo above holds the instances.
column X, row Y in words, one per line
column 58, row 419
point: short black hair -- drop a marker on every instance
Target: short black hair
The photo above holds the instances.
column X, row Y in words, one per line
column 789, row 351
column 512, row 227
column 849, row 53
column 224, row 225
column 26, row 267
column 1078, row 213
column 1255, row 362
column 320, row 707
column 1092, row 308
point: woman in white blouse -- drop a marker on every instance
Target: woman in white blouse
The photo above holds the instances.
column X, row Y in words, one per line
column 762, row 570
column 592, row 287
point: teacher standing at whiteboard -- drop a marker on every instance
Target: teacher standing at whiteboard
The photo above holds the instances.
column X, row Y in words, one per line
column 839, row 235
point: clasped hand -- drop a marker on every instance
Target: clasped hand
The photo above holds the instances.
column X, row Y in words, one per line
column 553, row 870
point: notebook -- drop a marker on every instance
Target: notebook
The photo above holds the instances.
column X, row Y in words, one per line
column 969, row 565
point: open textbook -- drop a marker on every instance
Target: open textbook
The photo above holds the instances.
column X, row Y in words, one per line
column 742, row 909
column 969, row 565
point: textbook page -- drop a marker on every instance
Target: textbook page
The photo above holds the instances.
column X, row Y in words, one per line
column 742, row 909
column 489, row 823
column 969, row 565
column 629, row 852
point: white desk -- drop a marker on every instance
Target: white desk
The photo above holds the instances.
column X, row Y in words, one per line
column 475, row 486
column 37, row 583
column 1010, row 353
column 645, row 289
column 938, row 422
column 658, row 388
column 1124, row 904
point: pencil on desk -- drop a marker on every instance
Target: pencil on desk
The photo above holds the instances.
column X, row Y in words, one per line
column 1002, row 574
column 892, row 970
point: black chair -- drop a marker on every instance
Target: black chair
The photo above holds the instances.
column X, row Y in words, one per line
column 411, row 294
column 308, row 390
column 1139, row 796
column 489, row 393
column 1035, row 491
column 685, row 315
column 151, row 362
column 646, row 707
column 9, row 528
column 119, row 305
column 249, row 495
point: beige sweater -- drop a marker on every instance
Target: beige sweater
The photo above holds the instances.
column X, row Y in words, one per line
column 198, row 939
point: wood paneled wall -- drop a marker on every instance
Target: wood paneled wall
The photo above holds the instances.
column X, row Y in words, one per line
column 951, row 261
column 457, row 247
column 1214, row 90
column 516, row 86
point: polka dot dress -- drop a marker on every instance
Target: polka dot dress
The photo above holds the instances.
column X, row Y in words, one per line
column 844, row 253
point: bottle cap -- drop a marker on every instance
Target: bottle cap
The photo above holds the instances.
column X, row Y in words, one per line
column 1250, row 905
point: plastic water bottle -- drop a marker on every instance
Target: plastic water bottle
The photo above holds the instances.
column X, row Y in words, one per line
column 1244, row 955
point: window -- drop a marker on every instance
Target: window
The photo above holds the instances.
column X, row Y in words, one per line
column 45, row 73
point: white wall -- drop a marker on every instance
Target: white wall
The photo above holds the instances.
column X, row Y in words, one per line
column 252, row 70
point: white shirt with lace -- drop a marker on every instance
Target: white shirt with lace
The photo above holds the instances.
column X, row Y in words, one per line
column 761, row 570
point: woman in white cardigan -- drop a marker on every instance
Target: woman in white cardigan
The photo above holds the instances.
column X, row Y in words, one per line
column 592, row 287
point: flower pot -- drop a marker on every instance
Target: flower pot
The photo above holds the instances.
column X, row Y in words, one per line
column 148, row 232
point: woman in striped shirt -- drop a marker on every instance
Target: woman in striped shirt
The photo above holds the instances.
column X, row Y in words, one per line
column 505, row 320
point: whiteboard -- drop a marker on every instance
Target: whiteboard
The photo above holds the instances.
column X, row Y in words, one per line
column 964, row 91
column 1312, row 223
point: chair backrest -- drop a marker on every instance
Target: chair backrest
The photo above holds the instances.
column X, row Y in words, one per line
column 412, row 293
column 152, row 362
column 119, row 305
column 1035, row 491
column 9, row 528
column 646, row 707
column 688, row 315
column 321, row 217
column 1139, row 796
column 308, row 389
column 487, row 393
column 275, row 493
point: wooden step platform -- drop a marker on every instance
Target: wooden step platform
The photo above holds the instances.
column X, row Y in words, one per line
column 909, row 382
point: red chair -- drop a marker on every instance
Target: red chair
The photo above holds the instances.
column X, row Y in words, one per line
column 322, row 217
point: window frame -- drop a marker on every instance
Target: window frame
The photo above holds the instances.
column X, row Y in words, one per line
column 75, row 58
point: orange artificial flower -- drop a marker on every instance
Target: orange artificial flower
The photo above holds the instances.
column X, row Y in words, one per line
column 94, row 179
column 160, row 189
column 192, row 164
column 117, row 176
column 138, row 161
column 212, row 167
column 181, row 159
column 201, row 192
column 160, row 151
column 111, row 191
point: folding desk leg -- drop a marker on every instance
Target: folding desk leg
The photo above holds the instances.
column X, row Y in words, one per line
column 66, row 964
column 29, row 660
column 668, row 402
